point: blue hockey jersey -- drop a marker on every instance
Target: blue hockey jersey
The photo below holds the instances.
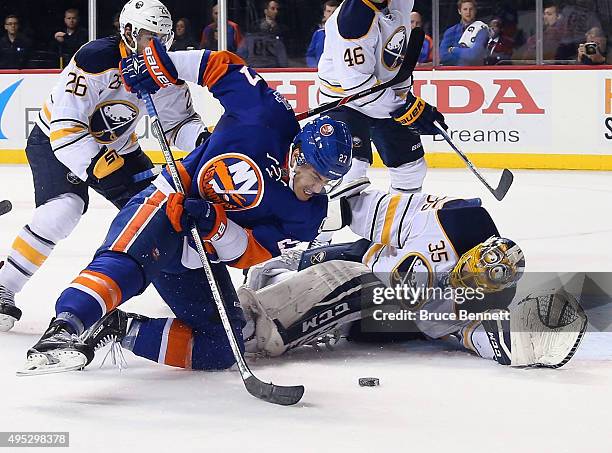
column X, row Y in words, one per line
column 243, row 165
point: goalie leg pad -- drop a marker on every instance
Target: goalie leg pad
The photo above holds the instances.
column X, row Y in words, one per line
column 306, row 306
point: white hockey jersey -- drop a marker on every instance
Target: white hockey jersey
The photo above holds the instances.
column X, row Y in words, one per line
column 364, row 46
column 416, row 242
column 89, row 108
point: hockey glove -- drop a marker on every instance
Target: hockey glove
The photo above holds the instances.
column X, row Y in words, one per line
column 148, row 72
column 209, row 218
column 135, row 75
column 419, row 116
column 107, row 174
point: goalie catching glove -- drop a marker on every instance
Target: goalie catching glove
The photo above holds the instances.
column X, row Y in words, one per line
column 419, row 116
column 209, row 218
column 544, row 330
column 150, row 71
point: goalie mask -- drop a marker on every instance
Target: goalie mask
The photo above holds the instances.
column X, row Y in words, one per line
column 143, row 19
column 492, row 265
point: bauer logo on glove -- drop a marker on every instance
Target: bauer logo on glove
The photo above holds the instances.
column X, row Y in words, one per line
column 419, row 116
column 412, row 113
column 149, row 72
column 163, row 74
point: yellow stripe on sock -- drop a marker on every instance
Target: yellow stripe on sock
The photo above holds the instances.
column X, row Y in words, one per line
column 29, row 252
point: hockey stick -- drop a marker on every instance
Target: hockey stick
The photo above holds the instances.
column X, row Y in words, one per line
column 413, row 50
column 504, row 183
column 5, row 206
column 276, row 394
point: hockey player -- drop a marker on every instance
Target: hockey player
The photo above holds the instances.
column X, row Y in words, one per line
column 416, row 242
column 85, row 137
column 248, row 193
column 365, row 43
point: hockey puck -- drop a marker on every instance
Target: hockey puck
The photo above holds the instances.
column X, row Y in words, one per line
column 369, row 382
column 5, row 206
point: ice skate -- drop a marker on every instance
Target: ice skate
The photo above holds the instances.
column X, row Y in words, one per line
column 59, row 350
column 9, row 313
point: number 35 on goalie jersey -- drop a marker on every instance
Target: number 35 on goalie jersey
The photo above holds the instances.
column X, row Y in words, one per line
column 418, row 237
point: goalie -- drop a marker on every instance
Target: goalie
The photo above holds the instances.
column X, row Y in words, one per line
column 415, row 241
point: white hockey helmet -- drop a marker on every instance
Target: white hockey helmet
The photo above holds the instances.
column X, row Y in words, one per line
column 150, row 15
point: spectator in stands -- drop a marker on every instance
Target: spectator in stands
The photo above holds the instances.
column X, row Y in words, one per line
column 210, row 38
column 315, row 49
column 269, row 23
column 265, row 47
column 499, row 47
column 183, row 40
column 14, row 46
column 71, row 37
column 553, row 33
column 594, row 50
column 577, row 19
column 416, row 20
column 455, row 54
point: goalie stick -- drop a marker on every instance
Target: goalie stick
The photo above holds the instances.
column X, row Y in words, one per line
column 5, row 206
column 504, row 183
column 415, row 43
column 269, row 392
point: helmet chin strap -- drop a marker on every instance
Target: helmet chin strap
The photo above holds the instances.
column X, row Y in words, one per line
column 292, row 167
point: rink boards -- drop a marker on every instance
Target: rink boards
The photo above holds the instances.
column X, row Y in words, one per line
column 550, row 117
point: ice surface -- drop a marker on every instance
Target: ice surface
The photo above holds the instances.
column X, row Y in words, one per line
column 430, row 398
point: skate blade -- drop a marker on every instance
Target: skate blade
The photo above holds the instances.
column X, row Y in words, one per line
column 6, row 322
column 53, row 362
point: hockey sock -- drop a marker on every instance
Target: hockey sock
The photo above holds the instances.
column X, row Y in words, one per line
column 165, row 340
column 172, row 342
column 51, row 222
column 408, row 178
column 28, row 252
column 109, row 280
column 359, row 169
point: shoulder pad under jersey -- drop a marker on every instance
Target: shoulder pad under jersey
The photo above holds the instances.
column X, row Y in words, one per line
column 355, row 18
column 99, row 55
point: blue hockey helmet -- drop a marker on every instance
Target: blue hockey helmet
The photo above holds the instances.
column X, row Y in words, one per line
column 326, row 145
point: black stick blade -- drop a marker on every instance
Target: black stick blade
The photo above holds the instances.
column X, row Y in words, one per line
column 5, row 206
column 276, row 394
column 504, row 185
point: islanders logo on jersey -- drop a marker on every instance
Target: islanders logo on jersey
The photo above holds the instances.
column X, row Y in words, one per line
column 395, row 48
column 110, row 120
column 232, row 180
column 414, row 272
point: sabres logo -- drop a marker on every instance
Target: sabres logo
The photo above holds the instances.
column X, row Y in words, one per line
column 232, row 180
column 395, row 49
column 111, row 120
column 318, row 257
column 413, row 272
